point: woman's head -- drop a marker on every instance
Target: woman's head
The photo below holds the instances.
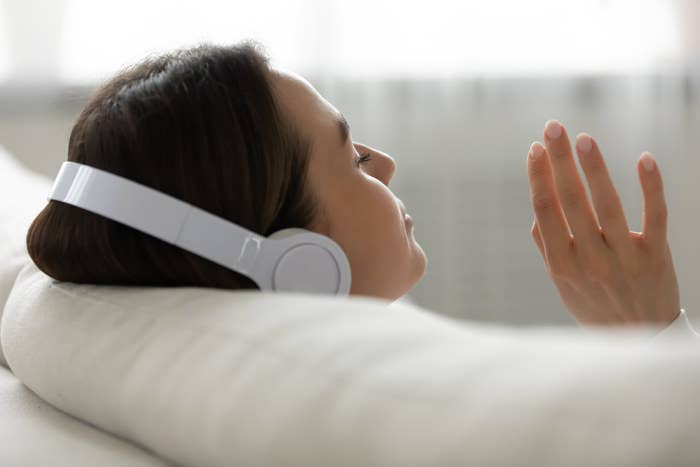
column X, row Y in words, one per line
column 356, row 207
column 219, row 129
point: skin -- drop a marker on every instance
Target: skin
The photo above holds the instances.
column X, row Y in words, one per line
column 358, row 209
column 605, row 273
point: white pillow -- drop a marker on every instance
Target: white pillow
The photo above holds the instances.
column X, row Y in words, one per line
column 208, row 377
column 23, row 194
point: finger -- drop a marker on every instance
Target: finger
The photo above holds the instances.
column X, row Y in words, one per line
column 606, row 201
column 655, row 215
column 570, row 188
column 537, row 238
column 551, row 222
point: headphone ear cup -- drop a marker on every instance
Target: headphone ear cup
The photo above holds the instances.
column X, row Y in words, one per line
column 312, row 263
column 306, row 268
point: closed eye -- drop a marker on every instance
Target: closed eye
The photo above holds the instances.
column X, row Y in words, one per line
column 363, row 159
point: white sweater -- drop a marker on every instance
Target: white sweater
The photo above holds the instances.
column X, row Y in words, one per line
column 681, row 327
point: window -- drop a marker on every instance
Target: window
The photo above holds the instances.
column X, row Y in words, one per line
column 501, row 37
column 4, row 59
column 101, row 37
column 355, row 39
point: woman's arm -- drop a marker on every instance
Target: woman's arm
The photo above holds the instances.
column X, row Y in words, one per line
column 605, row 273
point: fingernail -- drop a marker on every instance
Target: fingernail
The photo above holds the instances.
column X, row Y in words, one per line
column 584, row 143
column 553, row 129
column 647, row 162
column 536, row 150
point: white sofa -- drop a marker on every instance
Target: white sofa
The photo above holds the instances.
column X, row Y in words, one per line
column 110, row 375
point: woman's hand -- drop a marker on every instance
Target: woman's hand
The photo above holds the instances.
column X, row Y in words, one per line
column 605, row 273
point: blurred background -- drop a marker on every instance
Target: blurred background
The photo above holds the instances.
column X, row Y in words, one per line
column 455, row 91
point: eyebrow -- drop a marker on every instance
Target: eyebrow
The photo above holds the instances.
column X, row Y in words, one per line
column 344, row 128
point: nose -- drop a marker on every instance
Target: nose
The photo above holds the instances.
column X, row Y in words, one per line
column 392, row 167
column 384, row 167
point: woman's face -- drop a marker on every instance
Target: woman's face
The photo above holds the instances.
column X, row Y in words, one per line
column 360, row 212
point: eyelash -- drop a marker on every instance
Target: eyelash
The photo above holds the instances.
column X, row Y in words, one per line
column 364, row 158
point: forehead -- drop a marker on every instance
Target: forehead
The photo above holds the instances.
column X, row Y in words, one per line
column 314, row 115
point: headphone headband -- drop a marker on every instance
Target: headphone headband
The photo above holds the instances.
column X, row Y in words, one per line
column 205, row 234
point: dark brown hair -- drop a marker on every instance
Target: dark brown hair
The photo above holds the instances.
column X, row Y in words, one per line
column 200, row 124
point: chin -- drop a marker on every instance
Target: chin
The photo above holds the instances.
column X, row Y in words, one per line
column 395, row 283
column 421, row 263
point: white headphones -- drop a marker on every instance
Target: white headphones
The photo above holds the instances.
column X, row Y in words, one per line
column 289, row 260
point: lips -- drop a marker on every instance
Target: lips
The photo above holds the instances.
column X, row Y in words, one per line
column 408, row 220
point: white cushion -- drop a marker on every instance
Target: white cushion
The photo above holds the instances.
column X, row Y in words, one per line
column 208, row 377
column 34, row 433
column 23, row 194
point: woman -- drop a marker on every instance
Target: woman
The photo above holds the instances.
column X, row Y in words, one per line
column 220, row 129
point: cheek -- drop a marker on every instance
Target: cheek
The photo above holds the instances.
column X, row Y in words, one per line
column 368, row 224
column 381, row 220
